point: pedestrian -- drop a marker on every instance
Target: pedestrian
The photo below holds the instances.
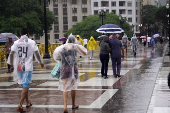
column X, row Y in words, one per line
column 161, row 41
column 91, row 46
column 104, row 55
column 85, row 42
column 8, row 50
column 125, row 42
column 144, row 42
column 134, row 43
column 69, row 75
column 80, row 41
column 152, row 42
column 149, row 40
column 21, row 63
column 116, row 47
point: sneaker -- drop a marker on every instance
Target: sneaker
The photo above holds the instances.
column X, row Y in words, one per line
column 105, row 77
column 118, row 75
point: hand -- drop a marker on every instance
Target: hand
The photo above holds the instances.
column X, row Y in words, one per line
column 123, row 56
column 11, row 68
column 42, row 65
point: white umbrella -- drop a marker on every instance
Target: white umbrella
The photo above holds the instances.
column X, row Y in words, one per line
column 4, row 37
column 110, row 28
column 156, row 35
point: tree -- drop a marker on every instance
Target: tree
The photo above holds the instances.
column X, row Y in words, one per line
column 89, row 25
column 16, row 14
column 149, row 14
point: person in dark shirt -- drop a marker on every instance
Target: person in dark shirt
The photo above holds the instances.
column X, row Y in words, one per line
column 116, row 47
column 104, row 55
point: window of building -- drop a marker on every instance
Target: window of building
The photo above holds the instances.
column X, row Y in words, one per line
column 114, row 3
column 84, row 1
column 136, row 4
column 104, row 3
column 37, row 37
column 136, row 12
column 121, row 3
column 55, row 11
column 55, row 3
column 56, row 29
column 95, row 12
column 84, row 10
column 136, row 19
column 122, row 11
column 84, row 17
column 137, row 28
column 65, row 27
column 74, row 1
column 107, row 10
column 95, row 4
column 74, row 10
column 64, row 11
column 129, row 4
column 114, row 11
column 129, row 19
column 129, row 12
column 56, row 36
column 64, row 5
column 56, row 20
column 65, row 20
column 74, row 18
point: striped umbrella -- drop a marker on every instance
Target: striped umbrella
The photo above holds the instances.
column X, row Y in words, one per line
column 4, row 37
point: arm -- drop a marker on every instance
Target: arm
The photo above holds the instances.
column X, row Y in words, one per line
column 37, row 55
column 81, row 49
column 11, row 61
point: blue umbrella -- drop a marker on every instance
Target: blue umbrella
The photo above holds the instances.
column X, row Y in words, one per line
column 4, row 37
column 110, row 28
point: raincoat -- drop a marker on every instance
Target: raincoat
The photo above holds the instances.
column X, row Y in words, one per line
column 80, row 40
column 91, row 44
column 67, row 54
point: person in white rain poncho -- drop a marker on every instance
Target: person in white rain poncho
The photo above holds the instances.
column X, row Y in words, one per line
column 69, row 76
column 21, row 63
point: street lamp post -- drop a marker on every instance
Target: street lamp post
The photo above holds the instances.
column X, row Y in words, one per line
column 102, row 13
column 140, row 26
column 167, row 6
column 46, row 55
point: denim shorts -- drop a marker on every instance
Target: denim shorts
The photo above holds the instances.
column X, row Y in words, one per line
column 25, row 77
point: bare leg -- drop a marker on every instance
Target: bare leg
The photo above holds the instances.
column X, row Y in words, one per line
column 23, row 96
column 65, row 95
column 73, row 95
column 27, row 101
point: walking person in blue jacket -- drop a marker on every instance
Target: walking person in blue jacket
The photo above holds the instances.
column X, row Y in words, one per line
column 116, row 47
column 152, row 43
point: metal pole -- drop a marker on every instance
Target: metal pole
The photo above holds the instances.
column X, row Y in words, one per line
column 46, row 55
column 102, row 18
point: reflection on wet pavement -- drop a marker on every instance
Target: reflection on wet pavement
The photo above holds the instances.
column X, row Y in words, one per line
column 129, row 94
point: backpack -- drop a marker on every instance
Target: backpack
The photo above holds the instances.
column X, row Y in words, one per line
column 124, row 40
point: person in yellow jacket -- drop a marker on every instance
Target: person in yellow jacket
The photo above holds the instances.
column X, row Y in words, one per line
column 81, row 42
column 91, row 46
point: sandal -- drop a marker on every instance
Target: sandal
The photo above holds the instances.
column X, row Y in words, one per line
column 29, row 105
column 76, row 107
column 20, row 110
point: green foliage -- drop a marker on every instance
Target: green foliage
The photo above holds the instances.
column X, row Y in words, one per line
column 88, row 26
column 149, row 14
column 16, row 14
column 161, row 15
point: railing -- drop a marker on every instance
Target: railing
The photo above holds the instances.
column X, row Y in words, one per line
column 41, row 47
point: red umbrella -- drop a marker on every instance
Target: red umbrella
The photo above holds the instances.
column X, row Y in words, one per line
column 143, row 37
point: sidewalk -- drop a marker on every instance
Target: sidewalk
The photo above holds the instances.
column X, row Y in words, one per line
column 160, row 101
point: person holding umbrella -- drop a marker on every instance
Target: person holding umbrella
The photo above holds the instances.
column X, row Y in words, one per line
column 116, row 47
column 91, row 46
column 8, row 50
column 125, row 42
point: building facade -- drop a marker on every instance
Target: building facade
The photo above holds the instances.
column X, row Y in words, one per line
column 68, row 12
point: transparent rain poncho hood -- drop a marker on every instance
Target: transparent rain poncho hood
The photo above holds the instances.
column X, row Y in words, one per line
column 67, row 55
